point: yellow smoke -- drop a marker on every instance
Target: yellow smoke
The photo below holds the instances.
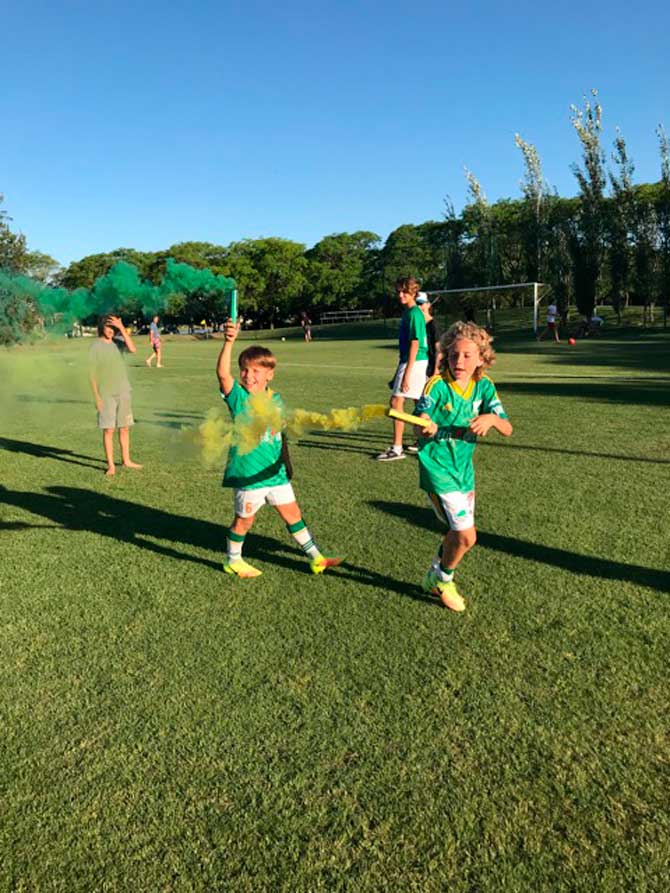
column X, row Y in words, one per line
column 217, row 432
column 336, row 420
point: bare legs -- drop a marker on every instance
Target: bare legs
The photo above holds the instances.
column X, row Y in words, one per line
column 124, row 443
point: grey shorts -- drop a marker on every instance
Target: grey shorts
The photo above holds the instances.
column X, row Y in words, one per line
column 116, row 412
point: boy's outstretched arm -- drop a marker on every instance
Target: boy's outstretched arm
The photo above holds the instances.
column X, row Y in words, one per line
column 223, row 370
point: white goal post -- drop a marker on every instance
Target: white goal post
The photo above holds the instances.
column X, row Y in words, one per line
column 537, row 289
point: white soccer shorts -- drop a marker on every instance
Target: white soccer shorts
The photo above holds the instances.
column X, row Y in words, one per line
column 455, row 509
column 248, row 502
column 417, row 380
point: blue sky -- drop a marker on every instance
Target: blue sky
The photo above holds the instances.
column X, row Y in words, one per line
column 145, row 125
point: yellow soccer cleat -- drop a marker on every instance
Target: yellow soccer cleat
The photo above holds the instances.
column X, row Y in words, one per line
column 241, row 569
column 323, row 562
column 446, row 592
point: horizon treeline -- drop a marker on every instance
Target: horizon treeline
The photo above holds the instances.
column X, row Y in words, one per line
column 610, row 243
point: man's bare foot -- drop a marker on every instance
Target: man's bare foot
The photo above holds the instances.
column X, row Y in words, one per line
column 110, row 471
column 131, row 464
column 159, row 365
column 148, row 362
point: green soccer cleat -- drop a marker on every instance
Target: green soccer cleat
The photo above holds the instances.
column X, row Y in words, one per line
column 241, row 569
column 323, row 562
column 446, row 592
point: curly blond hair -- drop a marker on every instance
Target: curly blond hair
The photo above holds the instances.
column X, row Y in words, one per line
column 472, row 332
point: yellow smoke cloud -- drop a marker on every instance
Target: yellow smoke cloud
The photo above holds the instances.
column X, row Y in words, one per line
column 217, row 432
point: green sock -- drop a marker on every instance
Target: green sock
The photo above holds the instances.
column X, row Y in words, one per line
column 234, row 543
column 303, row 537
column 446, row 574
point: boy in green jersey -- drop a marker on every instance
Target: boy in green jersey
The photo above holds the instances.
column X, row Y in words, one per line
column 460, row 404
column 410, row 375
column 260, row 475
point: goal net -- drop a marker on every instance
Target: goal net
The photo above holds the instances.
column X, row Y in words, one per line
column 486, row 300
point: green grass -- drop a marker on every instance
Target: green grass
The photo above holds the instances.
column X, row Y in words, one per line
column 166, row 727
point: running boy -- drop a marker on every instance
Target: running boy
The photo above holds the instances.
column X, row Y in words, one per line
column 259, row 476
column 410, row 375
column 111, row 389
column 461, row 403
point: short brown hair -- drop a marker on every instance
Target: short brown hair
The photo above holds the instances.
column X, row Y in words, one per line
column 257, row 355
column 407, row 284
column 472, row 332
column 102, row 322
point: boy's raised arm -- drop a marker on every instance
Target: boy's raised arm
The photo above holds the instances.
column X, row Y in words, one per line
column 123, row 332
column 223, row 365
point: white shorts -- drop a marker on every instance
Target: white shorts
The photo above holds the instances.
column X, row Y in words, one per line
column 417, row 380
column 456, row 509
column 247, row 502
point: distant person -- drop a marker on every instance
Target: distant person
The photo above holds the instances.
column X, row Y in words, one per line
column 433, row 340
column 552, row 324
column 306, row 324
column 432, row 332
column 410, row 375
column 156, row 346
column 111, row 389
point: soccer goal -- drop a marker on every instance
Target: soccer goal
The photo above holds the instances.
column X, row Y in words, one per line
column 490, row 298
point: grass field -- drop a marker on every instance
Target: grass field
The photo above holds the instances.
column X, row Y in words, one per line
column 166, row 727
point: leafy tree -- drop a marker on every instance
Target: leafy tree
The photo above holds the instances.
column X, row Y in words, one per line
column 336, row 268
column 620, row 223
column 40, row 266
column 480, row 224
column 535, row 192
column 587, row 234
column 12, row 245
column 663, row 218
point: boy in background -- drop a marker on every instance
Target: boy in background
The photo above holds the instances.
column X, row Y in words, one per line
column 410, row 375
column 111, row 389
column 260, row 476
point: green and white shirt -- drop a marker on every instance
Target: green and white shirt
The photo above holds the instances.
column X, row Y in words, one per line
column 263, row 466
column 445, row 460
column 412, row 328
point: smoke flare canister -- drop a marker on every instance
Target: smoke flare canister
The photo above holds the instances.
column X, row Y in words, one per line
column 233, row 305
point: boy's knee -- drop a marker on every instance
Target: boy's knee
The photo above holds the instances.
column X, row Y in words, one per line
column 465, row 538
column 469, row 537
column 242, row 525
column 397, row 402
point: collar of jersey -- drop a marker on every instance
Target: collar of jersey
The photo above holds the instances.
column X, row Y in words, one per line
column 465, row 394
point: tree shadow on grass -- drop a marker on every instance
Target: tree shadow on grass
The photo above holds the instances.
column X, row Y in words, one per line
column 43, row 451
column 588, row 453
column 653, row 392
column 337, row 447
column 586, row 565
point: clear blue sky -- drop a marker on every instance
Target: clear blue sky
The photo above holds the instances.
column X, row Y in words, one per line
column 145, row 124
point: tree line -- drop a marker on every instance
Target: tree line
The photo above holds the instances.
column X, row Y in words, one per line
column 609, row 243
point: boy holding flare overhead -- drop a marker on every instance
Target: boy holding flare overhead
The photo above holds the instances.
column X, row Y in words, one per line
column 259, row 475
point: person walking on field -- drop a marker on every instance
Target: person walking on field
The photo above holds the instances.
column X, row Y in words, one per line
column 410, row 375
column 156, row 346
column 552, row 324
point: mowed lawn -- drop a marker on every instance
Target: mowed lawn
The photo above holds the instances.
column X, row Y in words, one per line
column 165, row 727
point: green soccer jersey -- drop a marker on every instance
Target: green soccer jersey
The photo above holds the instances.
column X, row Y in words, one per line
column 412, row 328
column 445, row 460
column 262, row 466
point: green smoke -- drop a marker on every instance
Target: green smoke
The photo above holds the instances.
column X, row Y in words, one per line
column 24, row 302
